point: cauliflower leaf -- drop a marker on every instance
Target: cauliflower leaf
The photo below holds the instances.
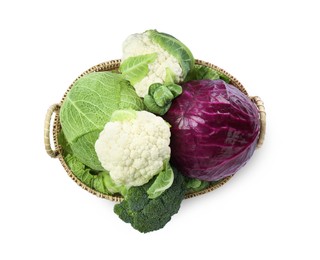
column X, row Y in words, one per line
column 136, row 68
column 163, row 181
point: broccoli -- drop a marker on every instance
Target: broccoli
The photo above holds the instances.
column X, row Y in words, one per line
column 146, row 214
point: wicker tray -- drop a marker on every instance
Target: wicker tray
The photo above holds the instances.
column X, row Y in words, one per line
column 114, row 65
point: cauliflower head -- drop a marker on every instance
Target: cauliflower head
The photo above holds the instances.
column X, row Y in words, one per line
column 154, row 57
column 133, row 146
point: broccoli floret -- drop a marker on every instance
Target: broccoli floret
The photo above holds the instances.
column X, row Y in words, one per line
column 146, row 214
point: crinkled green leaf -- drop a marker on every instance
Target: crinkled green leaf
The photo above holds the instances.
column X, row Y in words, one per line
column 64, row 143
column 136, row 68
column 79, row 169
column 83, row 147
column 101, row 181
column 112, row 187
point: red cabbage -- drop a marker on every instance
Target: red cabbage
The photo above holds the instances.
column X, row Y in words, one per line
column 215, row 128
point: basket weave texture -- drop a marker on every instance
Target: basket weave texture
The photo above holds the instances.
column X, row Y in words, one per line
column 114, row 65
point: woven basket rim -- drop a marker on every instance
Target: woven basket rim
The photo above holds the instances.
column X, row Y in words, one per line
column 110, row 66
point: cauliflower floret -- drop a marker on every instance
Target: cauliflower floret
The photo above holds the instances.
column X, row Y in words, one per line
column 134, row 150
column 137, row 44
column 141, row 44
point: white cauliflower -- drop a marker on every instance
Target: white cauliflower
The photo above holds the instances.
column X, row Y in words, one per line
column 153, row 57
column 133, row 146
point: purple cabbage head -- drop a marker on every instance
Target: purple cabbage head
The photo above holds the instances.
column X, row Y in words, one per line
column 214, row 129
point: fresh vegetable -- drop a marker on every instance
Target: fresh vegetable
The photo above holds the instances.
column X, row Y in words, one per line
column 154, row 57
column 160, row 96
column 145, row 214
column 88, row 107
column 134, row 146
column 214, row 130
column 115, row 142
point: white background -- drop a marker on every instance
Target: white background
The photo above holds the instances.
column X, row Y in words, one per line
column 269, row 210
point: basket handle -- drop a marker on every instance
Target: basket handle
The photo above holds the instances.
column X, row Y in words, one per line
column 260, row 105
column 53, row 108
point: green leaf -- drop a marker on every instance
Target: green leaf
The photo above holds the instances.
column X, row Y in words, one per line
column 159, row 98
column 111, row 187
column 100, row 182
column 90, row 103
column 193, row 183
column 79, row 169
column 128, row 97
column 74, row 164
column 136, row 68
column 84, row 149
column 162, row 96
column 224, row 77
column 175, row 89
column 153, row 87
column 152, row 106
column 64, row 143
column 163, row 181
